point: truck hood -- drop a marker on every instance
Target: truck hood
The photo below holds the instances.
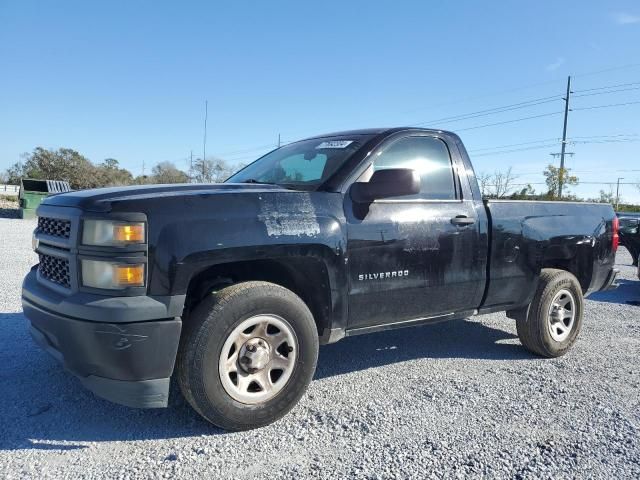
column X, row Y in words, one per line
column 100, row 199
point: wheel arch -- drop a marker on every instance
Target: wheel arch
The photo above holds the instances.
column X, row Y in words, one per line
column 308, row 276
column 576, row 258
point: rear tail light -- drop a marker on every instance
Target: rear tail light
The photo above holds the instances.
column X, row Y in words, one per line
column 616, row 237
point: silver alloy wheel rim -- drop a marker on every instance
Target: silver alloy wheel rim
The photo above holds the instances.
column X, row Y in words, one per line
column 562, row 315
column 258, row 358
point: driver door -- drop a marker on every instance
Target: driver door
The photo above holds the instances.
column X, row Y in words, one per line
column 406, row 259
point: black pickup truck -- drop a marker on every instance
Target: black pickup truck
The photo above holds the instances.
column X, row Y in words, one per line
column 230, row 288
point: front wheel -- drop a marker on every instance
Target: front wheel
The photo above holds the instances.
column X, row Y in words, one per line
column 551, row 323
column 247, row 355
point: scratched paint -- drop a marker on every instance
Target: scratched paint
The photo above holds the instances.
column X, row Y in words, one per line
column 416, row 226
column 291, row 214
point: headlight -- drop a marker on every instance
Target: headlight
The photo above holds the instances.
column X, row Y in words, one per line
column 112, row 276
column 112, row 233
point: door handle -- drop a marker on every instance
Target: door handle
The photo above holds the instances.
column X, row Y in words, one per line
column 462, row 220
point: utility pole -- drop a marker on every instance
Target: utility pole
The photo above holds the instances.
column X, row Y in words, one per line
column 278, row 140
column 142, row 168
column 618, row 193
column 564, row 137
column 191, row 167
column 204, row 145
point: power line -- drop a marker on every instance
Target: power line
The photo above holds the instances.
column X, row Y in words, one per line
column 614, row 182
column 621, row 140
column 491, row 111
column 478, row 97
column 622, row 137
column 570, row 141
column 606, row 87
column 606, row 106
column 512, row 145
column 526, row 87
column 608, row 136
column 482, row 126
column 505, row 108
column 509, row 121
column 514, row 150
column 465, row 116
column 607, row 170
column 604, row 170
column 606, row 183
column 607, row 92
column 537, row 147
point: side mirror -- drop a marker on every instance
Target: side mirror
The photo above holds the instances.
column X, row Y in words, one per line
column 391, row 182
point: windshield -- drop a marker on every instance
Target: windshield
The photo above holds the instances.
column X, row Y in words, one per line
column 304, row 165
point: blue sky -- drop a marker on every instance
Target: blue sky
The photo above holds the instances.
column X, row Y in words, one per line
column 128, row 80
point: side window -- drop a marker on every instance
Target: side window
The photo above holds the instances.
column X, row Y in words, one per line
column 428, row 156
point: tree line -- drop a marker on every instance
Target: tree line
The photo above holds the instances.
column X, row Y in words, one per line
column 68, row 164
column 503, row 185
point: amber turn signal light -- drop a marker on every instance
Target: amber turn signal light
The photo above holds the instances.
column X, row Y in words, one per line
column 133, row 233
column 129, row 275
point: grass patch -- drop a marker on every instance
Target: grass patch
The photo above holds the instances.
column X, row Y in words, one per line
column 9, row 198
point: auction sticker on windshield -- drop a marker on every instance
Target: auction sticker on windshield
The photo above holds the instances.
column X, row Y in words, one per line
column 335, row 144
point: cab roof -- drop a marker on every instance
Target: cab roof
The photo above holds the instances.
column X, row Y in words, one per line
column 374, row 131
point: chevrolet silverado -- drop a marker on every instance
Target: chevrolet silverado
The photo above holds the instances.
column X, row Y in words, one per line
column 231, row 288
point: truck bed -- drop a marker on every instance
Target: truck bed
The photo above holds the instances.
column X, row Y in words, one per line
column 526, row 236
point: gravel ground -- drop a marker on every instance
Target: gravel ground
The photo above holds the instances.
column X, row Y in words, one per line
column 458, row 399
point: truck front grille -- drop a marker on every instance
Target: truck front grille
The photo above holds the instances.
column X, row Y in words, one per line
column 55, row 270
column 56, row 227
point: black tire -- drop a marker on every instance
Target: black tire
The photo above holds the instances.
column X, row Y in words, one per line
column 533, row 327
column 204, row 335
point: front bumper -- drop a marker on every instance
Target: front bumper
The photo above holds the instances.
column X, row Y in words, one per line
column 124, row 361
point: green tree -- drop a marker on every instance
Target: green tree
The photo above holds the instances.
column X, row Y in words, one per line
column 554, row 176
column 67, row 164
column 111, row 174
column 167, row 172
column 526, row 193
column 62, row 164
column 606, row 197
column 14, row 173
column 211, row 170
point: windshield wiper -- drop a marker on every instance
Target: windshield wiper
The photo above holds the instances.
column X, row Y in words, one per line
column 283, row 185
column 287, row 186
column 253, row 180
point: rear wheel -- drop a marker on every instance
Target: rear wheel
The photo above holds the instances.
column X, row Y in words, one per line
column 550, row 325
column 247, row 355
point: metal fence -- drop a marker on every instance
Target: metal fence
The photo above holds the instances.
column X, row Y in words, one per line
column 9, row 189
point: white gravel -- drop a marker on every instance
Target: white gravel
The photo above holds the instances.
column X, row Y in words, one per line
column 458, row 399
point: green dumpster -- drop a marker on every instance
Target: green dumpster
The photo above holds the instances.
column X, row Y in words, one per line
column 32, row 192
